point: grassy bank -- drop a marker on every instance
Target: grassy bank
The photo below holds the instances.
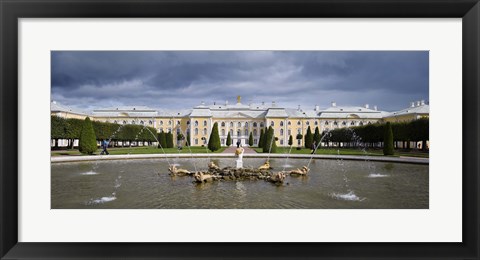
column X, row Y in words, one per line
column 139, row 150
column 348, row 151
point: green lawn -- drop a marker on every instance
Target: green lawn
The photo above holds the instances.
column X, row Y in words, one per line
column 347, row 151
column 139, row 150
column 332, row 151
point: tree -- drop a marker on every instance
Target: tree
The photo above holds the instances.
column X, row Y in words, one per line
column 308, row 138
column 187, row 143
column 162, row 140
column 262, row 137
column 388, row 140
column 290, row 140
column 317, row 137
column 214, row 140
column 229, row 139
column 88, row 141
column 169, row 139
column 250, row 140
column 270, row 144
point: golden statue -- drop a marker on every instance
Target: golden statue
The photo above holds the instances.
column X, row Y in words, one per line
column 239, row 98
column 265, row 166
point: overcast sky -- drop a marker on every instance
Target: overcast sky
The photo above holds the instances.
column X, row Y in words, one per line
column 182, row 79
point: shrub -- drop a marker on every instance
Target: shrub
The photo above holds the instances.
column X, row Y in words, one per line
column 262, row 137
column 290, row 140
column 214, row 140
column 308, row 138
column 317, row 137
column 169, row 139
column 270, row 144
column 250, row 139
column 229, row 139
column 88, row 141
column 388, row 140
column 162, row 139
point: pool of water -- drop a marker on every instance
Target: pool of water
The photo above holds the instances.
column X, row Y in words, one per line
column 331, row 184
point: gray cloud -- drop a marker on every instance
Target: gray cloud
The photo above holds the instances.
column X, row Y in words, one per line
column 181, row 79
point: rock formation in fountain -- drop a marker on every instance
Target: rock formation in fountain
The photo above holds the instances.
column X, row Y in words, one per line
column 300, row 172
column 174, row 171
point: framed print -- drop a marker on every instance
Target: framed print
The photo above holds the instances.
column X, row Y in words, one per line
column 159, row 129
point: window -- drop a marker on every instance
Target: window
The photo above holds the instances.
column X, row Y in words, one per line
column 178, row 122
column 204, row 122
column 246, row 124
column 178, row 131
column 196, row 140
column 223, row 141
column 115, row 121
column 196, row 123
column 238, row 132
column 254, row 124
column 352, row 123
column 316, row 122
column 255, row 141
column 335, row 123
column 255, row 132
column 308, row 122
column 281, row 131
column 361, row 123
column 246, row 132
column 124, row 122
column 281, row 123
column 169, row 122
column 223, row 124
column 231, row 124
column 299, row 123
column 369, row 123
column 261, row 124
column 161, row 129
column 231, row 132
column 204, row 131
column 223, row 131
column 141, row 122
column 169, row 130
column 281, row 142
column 289, row 131
column 133, row 122
column 188, row 122
column 272, row 123
column 196, row 131
column 326, row 122
column 161, row 122
column 344, row 123
column 299, row 131
column 289, row 122
column 239, row 124
column 150, row 122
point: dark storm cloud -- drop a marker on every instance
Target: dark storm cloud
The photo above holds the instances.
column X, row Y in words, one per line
column 181, row 79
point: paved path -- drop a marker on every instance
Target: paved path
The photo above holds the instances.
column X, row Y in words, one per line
column 232, row 149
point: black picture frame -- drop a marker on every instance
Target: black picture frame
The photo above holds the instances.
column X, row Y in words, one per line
column 11, row 11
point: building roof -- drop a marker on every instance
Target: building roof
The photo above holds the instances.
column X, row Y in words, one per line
column 351, row 112
column 56, row 107
column 276, row 112
column 417, row 109
column 201, row 111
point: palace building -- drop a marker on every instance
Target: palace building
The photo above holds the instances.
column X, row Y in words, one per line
column 240, row 119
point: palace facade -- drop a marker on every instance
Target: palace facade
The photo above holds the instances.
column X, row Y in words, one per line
column 241, row 119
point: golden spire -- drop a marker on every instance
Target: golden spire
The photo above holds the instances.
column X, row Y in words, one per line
column 238, row 99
